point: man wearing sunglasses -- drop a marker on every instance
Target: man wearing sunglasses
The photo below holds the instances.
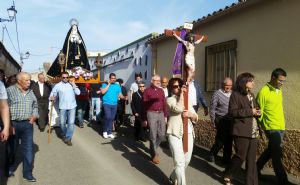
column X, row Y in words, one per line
column 65, row 91
column 269, row 99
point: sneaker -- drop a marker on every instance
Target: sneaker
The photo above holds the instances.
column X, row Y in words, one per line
column 11, row 173
column 68, row 142
column 111, row 136
column 211, row 158
column 30, row 179
column 105, row 135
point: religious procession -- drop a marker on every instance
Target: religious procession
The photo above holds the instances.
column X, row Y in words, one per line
column 198, row 104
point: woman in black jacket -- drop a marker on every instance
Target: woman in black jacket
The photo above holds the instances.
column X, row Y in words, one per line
column 244, row 110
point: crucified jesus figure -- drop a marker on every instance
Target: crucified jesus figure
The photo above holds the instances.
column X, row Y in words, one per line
column 189, row 44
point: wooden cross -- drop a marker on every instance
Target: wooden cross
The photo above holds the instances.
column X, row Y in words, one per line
column 184, row 77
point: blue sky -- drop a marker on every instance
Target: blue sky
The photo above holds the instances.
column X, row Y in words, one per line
column 105, row 25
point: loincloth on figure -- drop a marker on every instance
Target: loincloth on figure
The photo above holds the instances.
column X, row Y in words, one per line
column 190, row 61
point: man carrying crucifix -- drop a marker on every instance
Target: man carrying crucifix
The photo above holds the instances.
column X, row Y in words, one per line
column 181, row 111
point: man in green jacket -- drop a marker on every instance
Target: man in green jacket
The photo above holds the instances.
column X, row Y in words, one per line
column 272, row 120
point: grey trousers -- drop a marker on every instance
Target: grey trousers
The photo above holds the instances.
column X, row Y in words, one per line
column 157, row 125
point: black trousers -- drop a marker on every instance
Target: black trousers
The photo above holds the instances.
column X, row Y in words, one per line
column 245, row 150
column 140, row 132
column 43, row 114
column 223, row 138
column 274, row 152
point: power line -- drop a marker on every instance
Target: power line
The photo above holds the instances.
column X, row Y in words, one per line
column 10, row 39
column 17, row 32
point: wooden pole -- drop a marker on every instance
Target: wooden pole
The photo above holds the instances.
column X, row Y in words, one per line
column 50, row 121
column 185, row 122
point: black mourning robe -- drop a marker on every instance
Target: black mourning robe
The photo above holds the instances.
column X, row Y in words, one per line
column 75, row 55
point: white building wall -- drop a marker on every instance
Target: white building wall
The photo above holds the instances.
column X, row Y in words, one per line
column 128, row 60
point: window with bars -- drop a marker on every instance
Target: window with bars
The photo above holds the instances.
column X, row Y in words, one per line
column 220, row 62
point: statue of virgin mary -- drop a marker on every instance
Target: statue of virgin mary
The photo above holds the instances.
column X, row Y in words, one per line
column 74, row 50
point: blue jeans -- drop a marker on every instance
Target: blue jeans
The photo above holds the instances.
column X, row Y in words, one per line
column 67, row 128
column 96, row 103
column 23, row 131
column 81, row 108
column 109, row 115
column 274, row 152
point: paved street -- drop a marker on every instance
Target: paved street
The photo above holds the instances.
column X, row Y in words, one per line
column 93, row 160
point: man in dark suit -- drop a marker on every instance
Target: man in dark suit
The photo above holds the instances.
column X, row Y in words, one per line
column 42, row 91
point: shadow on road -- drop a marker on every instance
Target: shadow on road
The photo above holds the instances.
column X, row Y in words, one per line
column 7, row 158
column 137, row 154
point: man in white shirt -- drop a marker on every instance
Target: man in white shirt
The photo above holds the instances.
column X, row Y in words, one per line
column 164, row 85
column 196, row 97
column 134, row 86
column 42, row 92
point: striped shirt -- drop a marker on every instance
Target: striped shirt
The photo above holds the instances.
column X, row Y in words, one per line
column 21, row 106
column 219, row 104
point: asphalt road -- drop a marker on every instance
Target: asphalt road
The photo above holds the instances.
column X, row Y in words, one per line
column 93, row 160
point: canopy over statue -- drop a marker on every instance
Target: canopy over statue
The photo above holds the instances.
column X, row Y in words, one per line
column 74, row 50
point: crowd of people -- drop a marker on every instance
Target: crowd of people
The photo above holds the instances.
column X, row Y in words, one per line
column 237, row 115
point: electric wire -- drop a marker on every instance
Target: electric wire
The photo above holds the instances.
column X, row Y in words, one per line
column 10, row 39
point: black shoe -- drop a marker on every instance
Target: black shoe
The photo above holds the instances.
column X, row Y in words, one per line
column 11, row 174
column 42, row 129
column 259, row 175
column 81, row 126
column 211, row 158
column 30, row 179
column 68, row 142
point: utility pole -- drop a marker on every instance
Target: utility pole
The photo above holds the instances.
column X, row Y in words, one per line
column 3, row 28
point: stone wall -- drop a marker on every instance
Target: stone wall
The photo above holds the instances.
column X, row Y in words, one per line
column 205, row 135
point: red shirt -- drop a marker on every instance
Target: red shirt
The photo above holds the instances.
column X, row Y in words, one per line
column 153, row 100
column 84, row 92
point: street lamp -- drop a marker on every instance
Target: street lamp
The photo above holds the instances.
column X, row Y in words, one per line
column 61, row 61
column 23, row 57
column 11, row 14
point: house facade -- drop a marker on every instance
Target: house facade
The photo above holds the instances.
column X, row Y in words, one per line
column 127, row 60
column 7, row 62
column 254, row 36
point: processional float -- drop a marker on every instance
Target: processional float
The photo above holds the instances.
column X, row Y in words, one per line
column 73, row 60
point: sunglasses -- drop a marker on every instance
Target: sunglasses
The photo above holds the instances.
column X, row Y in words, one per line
column 141, row 86
column 64, row 77
column 175, row 86
column 281, row 81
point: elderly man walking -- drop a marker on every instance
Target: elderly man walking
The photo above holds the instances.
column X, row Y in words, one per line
column 219, row 117
column 154, row 114
column 65, row 91
column 24, row 112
